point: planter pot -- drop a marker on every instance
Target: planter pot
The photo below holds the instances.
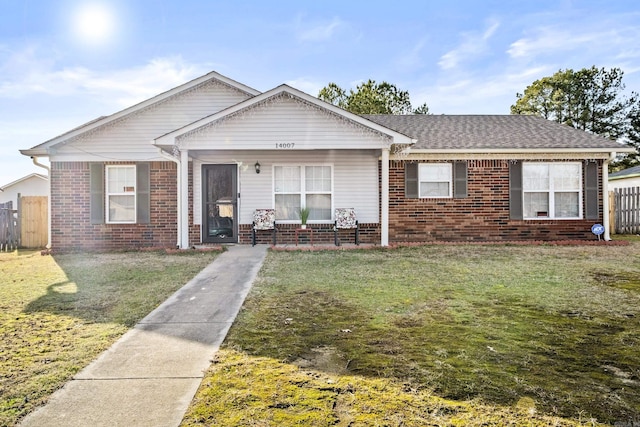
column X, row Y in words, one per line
column 303, row 226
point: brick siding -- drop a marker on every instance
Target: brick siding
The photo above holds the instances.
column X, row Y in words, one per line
column 71, row 228
column 482, row 216
column 322, row 234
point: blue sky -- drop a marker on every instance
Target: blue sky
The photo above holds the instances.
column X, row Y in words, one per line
column 65, row 62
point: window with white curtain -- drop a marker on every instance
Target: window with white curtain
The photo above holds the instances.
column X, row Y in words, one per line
column 309, row 186
column 552, row 190
column 121, row 194
column 435, row 180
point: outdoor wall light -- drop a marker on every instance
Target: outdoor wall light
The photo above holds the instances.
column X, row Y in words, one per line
column 257, row 166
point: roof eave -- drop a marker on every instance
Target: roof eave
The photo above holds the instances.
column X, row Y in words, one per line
column 168, row 139
column 615, row 178
column 24, row 178
column 34, row 152
column 38, row 149
column 521, row 150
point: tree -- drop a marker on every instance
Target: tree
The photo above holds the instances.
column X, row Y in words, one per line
column 633, row 139
column 590, row 99
column 371, row 98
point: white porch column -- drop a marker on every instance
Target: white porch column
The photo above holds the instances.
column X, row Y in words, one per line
column 384, row 197
column 605, row 196
column 183, row 217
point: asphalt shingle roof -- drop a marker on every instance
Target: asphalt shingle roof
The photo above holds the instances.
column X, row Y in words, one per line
column 626, row 172
column 439, row 132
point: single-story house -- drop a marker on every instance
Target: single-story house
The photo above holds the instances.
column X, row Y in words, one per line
column 193, row 164
column 625, row 178
column 33, row 184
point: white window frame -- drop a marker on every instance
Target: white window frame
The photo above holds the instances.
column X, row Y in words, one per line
column 303, row 193
column 552, row 190
column 124, row 192
column 422, row 179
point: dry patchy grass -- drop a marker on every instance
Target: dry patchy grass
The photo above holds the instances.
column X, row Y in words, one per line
column 531, row 333
column 58, row 313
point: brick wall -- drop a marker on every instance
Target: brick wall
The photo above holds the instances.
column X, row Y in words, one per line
column 482, row 216
column 322, row 234
column 195, row 236
column 70, row 212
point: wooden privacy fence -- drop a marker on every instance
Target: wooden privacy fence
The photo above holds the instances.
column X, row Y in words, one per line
column 9, row 227
column 626, row 210
column 25, row 227
column 34, row 227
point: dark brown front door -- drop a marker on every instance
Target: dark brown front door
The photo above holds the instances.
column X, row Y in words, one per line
column 220, row 203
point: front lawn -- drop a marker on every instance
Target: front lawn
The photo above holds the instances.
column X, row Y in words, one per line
column 58, row 313
column 438, row 335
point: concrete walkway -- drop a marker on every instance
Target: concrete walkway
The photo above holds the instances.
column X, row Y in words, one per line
column 150, row 375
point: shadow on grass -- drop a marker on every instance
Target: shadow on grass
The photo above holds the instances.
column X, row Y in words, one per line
column 571, row 365
column 57, row 314
column 119, row 287
column 68, row 299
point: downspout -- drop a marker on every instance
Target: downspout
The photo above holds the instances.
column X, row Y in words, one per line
column 178, row 183
column 35, row 161
column 605, row 195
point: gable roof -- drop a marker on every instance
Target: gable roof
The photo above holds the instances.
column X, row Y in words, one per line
column 41, row 149
column 168, row 139
column 24, row 178
column 625, row 173
column 493, row 132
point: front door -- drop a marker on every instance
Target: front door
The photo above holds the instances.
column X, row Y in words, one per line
column 220, row 203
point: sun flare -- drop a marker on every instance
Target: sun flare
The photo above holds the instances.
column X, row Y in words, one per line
column 94, row 23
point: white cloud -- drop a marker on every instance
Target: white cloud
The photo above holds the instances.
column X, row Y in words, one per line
column 476, row 94
column 413, row 57
column 130, row 86
column 604, row 41
column 29, row 75
column 306, row 85
column 318, row 32
column 40, row 100
column 551, row 40
column 473, row 45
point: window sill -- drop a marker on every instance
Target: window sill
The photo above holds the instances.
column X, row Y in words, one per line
column 538, row 218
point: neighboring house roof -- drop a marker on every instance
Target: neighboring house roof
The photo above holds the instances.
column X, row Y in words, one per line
column 42, row 149
column 626, row 173
column 493, row 132
column 24, row 178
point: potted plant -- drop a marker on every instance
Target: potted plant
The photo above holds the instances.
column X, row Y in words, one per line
column 304, row 216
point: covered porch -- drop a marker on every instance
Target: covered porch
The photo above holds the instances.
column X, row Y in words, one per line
column 281, row 150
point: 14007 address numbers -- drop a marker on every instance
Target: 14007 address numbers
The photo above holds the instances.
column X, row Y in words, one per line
column 285, row 145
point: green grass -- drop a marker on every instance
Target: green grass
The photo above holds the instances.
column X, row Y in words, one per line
column 447, row 335
column 58, row 313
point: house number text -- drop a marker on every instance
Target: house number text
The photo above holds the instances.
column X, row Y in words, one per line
column 285, row 145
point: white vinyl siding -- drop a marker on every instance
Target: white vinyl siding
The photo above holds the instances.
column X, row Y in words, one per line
column 283, row 125
column 552, row 190
column 130, row 137
column 355, row 179
column 121, row 194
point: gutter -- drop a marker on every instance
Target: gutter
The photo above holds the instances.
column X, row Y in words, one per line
column 35, row 161
column 615, row 178
column 622, row 149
